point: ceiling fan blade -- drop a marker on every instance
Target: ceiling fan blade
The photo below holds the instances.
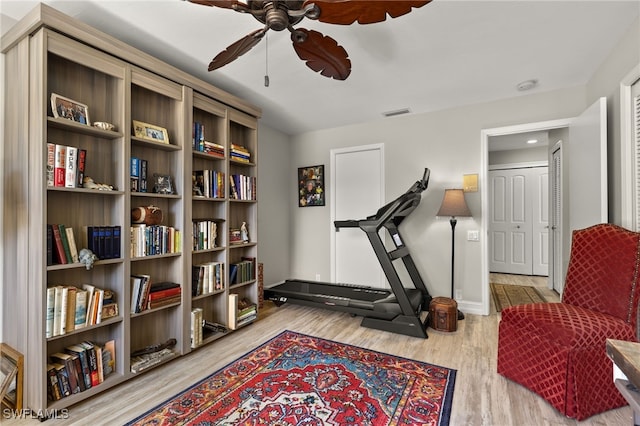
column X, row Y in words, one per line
column 346, row 12
column 321, row 53
column 237, row 49
column 227, row 4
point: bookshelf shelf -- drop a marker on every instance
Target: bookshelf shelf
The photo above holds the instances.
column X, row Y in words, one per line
column 65, row 124
column 89, row 328
column 155, row 145
column 242, row 245
column 51, row 53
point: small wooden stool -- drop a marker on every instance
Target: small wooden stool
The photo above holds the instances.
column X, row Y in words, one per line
column 443, row 314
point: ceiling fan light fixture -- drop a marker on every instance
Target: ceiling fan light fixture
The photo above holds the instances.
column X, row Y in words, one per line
column 396, row 112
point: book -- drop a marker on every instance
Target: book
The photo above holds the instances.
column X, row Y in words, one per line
column 53, row 387
column 57, row 310
column 162, row 294
column 51, row 155
column 134, row 174
column 51, row 300
column 116, row 242
column 71, row 308
column 233, row 311
column 81, row 352
column 63, row 310
column 93, row 362
column 71, row 163
column 63, row 379
column 65, row 242
column 80, row 317
column 72, row 375
column 90, row 300
column 60, row 169
column 73, row 249
column 49, row 245
column 58, row 249
column 82, row 159
column 110, row 348
column 143, row 176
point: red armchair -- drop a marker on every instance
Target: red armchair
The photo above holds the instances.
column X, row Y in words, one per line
column 557, row 350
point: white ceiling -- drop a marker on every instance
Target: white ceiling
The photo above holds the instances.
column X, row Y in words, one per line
column 445, row 54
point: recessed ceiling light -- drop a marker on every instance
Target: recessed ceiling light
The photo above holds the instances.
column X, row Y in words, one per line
column 532, row 141
column 527, row 85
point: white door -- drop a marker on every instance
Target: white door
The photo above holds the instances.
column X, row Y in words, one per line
column 510, row 222
column 519, row 221
column 357, row 192
column 557, row 273
column 540, row 220
column 587, row 155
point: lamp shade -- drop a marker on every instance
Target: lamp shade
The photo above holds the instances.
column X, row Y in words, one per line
column 453, row 204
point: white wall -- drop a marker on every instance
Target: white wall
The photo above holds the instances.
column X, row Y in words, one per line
column 513, row 156
column 606, row 82
column 274, row 229
column 448, row 142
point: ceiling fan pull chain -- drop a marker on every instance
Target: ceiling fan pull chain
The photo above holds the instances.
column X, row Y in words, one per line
column 266, row 61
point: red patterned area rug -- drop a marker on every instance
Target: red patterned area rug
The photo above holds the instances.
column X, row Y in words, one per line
column 295, row 379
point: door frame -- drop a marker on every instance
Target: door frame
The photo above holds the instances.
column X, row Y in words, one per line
column 627, row 152
column 332, row 194
column 485, row 134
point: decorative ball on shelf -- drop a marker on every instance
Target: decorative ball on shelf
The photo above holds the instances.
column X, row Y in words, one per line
column 150, row 215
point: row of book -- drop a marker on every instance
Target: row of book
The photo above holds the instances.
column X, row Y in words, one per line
column 61, row 245
column 65, row 166
column 208, row 183
column 240, row 153
column 138, row 174
column 80, row 367
column 104, row 241
column 200, row 144
column 241, row 311
column 150, row 295
column 70, row 308
column 243, row 187
column 149, row 240
column 205, row 233
column 242, row 271
column 207, row 278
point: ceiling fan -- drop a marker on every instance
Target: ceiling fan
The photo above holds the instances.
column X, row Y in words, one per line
column 321, row 53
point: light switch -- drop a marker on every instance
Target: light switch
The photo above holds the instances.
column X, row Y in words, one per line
column 473, row 235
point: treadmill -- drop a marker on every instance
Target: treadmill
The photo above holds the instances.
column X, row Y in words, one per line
column 397, row 310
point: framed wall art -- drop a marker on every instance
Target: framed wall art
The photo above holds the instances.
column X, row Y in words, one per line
column 311, row 186
column 150, row 132
column 68, row 108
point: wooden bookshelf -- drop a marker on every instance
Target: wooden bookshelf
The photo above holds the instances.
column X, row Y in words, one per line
column 119, row 84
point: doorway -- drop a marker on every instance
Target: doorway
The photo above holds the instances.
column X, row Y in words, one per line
column 356, row 191
column 585, row 197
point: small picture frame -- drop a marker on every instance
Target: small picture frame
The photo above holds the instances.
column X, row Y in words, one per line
column 150, row 132
column 69, row 109
column 11, row 377
column 163, row 184
column 311, row 186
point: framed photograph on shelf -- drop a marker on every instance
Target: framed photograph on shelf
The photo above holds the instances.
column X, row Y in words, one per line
column 11, row 377
column 150, row 132
column 163, row 184
column 311, row 186
column 68, row 108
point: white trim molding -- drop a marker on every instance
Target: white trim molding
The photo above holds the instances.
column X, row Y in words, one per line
column 628, row 157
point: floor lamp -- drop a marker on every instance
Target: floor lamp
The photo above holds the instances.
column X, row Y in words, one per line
column 453, row 205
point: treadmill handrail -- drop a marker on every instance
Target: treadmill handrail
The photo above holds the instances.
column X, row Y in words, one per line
column 405, row 203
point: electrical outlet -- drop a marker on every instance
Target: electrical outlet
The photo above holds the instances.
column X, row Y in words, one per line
column 473, row 235
column 317, row 277
column 458, row 294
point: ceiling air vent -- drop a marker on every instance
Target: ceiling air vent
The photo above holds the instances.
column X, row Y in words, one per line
column 396, row 112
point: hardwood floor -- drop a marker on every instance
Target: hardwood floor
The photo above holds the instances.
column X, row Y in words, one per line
column 481, row 396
